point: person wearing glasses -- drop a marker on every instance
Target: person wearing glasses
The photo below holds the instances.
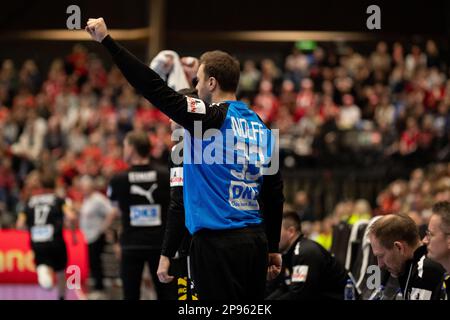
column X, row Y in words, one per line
column 437, row 241
column 396, row 244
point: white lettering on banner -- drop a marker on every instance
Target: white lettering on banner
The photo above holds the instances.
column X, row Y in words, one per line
column 243, row 196
column 145, row 176
column 176, row 177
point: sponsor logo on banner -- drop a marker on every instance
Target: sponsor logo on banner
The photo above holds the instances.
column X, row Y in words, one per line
column 17, row 259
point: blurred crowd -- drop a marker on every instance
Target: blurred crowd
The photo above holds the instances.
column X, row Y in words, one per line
column 70, row 122
column 414, row 197
column 335, row 106
column 327, row 103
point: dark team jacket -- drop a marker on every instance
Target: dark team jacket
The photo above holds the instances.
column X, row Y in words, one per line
column 422, row 278
column 175, row 106
column 176, row 235
column 309, row 272
column 44, row 218
column 142, row 194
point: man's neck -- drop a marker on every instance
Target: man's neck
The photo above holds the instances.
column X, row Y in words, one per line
column 446, row 265
column 413, row 250
column 417, row 246
column 223, row 96
column 293, row 241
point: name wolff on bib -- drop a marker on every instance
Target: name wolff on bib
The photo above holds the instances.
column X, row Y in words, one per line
column 243, row 192
column 144, row 215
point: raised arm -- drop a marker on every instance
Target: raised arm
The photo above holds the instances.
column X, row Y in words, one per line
column 183, row 110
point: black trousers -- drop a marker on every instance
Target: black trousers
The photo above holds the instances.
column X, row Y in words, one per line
column 229, row 264
column 131, row 268
column 95, row 261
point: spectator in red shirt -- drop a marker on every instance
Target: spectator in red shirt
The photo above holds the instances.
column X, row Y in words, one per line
column 306, row 99
column 410, row 137
column 266, row 103
column 288, row 96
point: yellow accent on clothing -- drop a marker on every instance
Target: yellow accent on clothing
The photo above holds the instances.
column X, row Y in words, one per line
column 325, row 240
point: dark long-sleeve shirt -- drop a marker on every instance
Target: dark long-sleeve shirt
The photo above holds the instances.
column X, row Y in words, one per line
column 176, row 236
column 309, row 272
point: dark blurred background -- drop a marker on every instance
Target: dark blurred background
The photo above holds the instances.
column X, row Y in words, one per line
column 183, row 24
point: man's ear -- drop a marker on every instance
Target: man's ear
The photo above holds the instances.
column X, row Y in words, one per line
column 292, row 230
column 212, row 83
column 399, row 246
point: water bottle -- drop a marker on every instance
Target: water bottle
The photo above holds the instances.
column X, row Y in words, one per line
column 349, row 292
column 378, row 294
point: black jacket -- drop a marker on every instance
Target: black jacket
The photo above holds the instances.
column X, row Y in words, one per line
column 176, row 235
column 309, row 272
column 422, row 278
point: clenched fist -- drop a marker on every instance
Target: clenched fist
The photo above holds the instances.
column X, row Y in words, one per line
column 97, row 29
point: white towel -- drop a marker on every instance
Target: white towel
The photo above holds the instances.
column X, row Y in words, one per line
column 175, row 77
